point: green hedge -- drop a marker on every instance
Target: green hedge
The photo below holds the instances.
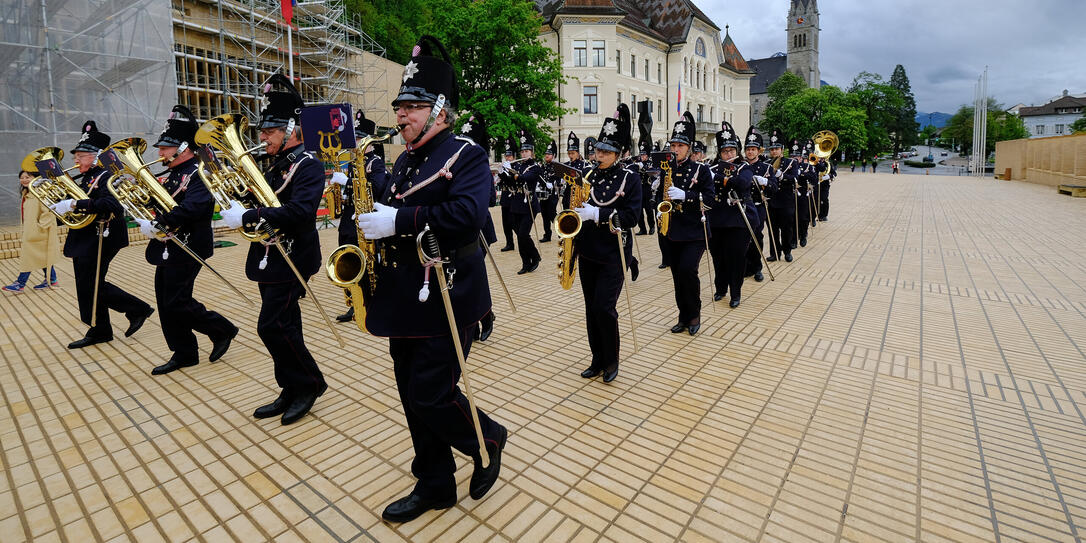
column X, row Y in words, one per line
column 919, row 164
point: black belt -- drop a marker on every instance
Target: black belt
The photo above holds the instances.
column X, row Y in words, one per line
column 405, row 247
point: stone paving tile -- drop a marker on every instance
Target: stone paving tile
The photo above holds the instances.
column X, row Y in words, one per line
column 915, row 375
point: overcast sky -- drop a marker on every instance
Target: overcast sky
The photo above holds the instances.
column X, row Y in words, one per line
column 1031, row 48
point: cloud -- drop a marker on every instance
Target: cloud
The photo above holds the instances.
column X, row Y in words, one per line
column 1033, row 52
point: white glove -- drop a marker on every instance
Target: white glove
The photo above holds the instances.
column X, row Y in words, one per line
column 146, row 228
column 550, row 186
column 656, row 183
column 589, row 212
column 63, row 206
column 675, row 193
column 826, row 177
column 232, row 216
column 761, row 180
column 658, row 216
column 507, row 166
column 339, row 178
column 378, row 224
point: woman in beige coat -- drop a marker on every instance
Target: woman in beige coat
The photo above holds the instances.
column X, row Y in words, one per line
column 41, row 245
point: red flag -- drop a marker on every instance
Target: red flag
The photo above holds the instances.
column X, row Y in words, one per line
column 287, row 8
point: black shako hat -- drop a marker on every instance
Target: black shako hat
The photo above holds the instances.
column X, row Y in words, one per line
column 552, row 149
column 475, row 129
column 91, row 140
column 428, row 75
column 726, row 137
column 362, row 126
column 753, row 139
column 699, row 147
column 180, row 128
column 589, row 146
column 683, row 131
column 510, row 146
column 615, row 134
column 280, row 104
column 795, row 147
column 573, row 143
column 776, row 139
column 526, row 140
column 646, row 147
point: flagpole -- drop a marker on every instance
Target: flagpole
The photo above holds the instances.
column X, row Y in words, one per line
column 290, row 52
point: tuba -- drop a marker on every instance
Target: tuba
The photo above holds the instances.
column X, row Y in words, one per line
column 51, row 188
column 349, row 265
column 241, row 178
column 567, row 224
column 131, row 182
column 825, row 144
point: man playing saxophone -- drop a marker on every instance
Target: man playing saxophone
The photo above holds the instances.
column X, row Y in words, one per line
column 297, row 177
column 436, row 199
column 92, row 249
column 614, row 200
column 176, row 271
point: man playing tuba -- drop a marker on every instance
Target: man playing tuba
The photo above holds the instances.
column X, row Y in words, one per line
column 176, row 271
column 298, row 180
column 92, row 249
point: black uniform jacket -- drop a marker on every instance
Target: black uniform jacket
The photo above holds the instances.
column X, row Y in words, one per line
column 298, row 180
column 784, row 196
column 730, row 176
column 614, row 190
column 455, row 208
column 529, row 176
column 695, row 179
column 764, row 169
column 84, row 241
column 190, row 221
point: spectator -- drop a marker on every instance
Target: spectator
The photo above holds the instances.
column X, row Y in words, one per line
column 40, row 244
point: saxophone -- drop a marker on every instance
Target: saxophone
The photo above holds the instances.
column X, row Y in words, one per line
column 567, row 224
column 351, row 265
column 665, row 207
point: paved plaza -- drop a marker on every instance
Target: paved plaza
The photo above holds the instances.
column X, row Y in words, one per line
column 916, row 374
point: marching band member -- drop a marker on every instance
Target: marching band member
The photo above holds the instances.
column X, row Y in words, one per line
column 81, row 245
column 699, row 152
column 782, row 203
column 475, row 129
column 615, row 191
column 729, row 237
column 691, row 184
column 297, row 177
column 527, row 175
column 176, row 271
column 506, row 186
column 573, row 151
column 439, row 183
column 765, row 184
column 827, row 172
column 590, row 150
column 805, row 180
column 549, row 205
column 377, row 176
column 648, row 205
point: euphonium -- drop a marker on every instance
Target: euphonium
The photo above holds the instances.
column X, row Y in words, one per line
column 51, row 189
column 349, row 265
column 131, row 182
column 567, row 224
column 242, row 180
column 665, row 207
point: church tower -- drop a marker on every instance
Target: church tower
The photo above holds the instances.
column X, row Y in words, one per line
column 803, row 41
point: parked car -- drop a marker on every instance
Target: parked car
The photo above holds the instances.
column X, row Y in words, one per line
column 944, row 153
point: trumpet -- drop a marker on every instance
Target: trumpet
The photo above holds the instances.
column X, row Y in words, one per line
column 51, row 187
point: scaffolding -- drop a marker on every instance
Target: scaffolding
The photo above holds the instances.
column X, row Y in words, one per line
column 66, row 61
column 226, row 48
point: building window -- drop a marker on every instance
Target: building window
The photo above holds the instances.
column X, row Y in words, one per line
column 618, row 60
column 580, row 53
column 701, row 113
column 685, row 70
column 1059, row 129
column 1039, row 130
column 710, row 113
column 659, row 105
column 591, row 103
column 619, row 100
column 599, row 50
column 699, row 48
column 633, row 106
column 646, row 69
column 633, row 65
column 659, row 70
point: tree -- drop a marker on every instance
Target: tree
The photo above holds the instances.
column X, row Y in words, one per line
column 507, row 75
column 1002, row 126
column 1079, row 126
column 395, row 24
column 881, row 102
column 785, row 87
column 826, row 108
column 903, row 127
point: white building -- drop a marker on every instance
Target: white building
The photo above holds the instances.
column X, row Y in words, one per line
column 1053, row 118
column 616, row 51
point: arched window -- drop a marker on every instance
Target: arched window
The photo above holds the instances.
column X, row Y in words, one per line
column 685, row 78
